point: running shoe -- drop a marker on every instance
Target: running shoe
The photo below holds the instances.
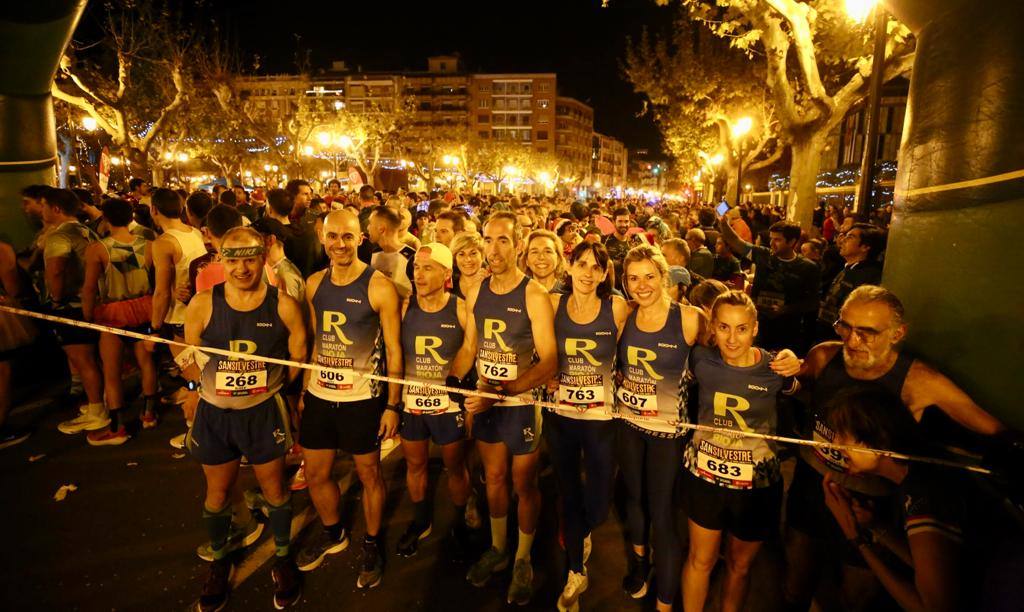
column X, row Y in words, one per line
column 105, row 437
column 218, row 585
column 490, row 563
column 313, row 553
column 287, row 582
column 149, row 419
column 240, row 536
column 409, row 543
column 575, row 584
column 13, row 437
column 178, row 441
column 373, row 566
column 638, row 577
column 255, row 502
column 90, row 420
column 298, row 482
column 521, row 590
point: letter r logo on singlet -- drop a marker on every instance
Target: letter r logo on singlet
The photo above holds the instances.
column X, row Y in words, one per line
column 242, row 346
column 636, row 356
column 429, row 344
column 493, row 328
column 580, row 347
column 333, row 323
column 731, row 405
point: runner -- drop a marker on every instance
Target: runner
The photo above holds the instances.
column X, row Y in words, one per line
column 956, row 539
column 240, row 410
column 542, row 260
column 433, row 331
column 588, row 321
column 651, row 398
column 173, row 253
column 468, row 250
column 117, row 293
column 516, row 352
column 16, row 334
column 871, row 327
column 735, row 483
column 64, row 272
column 355, row 314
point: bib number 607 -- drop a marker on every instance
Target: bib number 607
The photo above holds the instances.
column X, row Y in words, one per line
column 633, row 400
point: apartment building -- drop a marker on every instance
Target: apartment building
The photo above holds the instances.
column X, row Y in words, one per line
column 574, row 131
column 516, row 108
column 609, row 161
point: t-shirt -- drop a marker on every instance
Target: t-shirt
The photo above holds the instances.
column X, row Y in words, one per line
column 702, row 262
column 69, row 241
column 302, row 246
column 848, row 279
column 779, row 282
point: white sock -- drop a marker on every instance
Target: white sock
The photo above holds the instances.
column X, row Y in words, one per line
column 525, row 544
column 499, row 533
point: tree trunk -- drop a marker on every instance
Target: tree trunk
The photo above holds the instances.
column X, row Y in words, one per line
column 728, row 172
column 137, row 163
column 803, row 177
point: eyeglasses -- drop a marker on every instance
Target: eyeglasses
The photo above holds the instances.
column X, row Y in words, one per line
column 867, row 335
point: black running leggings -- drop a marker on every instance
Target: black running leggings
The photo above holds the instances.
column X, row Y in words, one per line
column 650, row 465
column 584, row 504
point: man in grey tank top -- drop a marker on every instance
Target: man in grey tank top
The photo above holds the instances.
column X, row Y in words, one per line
column 512, row 325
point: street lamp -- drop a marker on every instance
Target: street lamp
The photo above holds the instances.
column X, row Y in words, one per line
column 88, row 124
column 739, row 131
column 858, row 10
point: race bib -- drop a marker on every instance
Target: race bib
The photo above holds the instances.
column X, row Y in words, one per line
column 341, row 376
column 232, row 383
column 582, row 396
column 733, row 468
column 424, row 401
column 498, row 371
column 639, row 404
column 767, row 299
column 831, row 457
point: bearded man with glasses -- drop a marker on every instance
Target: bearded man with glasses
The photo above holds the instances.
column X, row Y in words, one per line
column 867, row 356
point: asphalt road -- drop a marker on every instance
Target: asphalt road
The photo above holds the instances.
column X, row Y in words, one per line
column 126, row 538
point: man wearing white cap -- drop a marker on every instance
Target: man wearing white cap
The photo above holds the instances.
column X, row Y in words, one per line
column 435, row 351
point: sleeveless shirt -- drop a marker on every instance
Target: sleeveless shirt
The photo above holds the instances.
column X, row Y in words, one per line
column 348, row 339
column 236, row 383
column 653, row 365
column 586, row 363
column 430, row 341
column 505, row 347
column 832, row 380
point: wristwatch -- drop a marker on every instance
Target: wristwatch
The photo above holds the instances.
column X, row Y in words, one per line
column 394, row 407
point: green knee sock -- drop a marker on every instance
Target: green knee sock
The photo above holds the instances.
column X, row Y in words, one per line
column 218, row 526
column 281, row 525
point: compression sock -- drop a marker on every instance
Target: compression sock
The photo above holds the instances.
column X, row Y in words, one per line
column 524, row 546
column 218, row 526
column 499, row 533
column 281, row 526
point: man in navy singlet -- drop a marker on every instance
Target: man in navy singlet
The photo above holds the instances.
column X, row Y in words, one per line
column 240, row 409
column 512, row 326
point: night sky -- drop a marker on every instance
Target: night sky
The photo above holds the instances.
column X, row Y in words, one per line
column 577, row 39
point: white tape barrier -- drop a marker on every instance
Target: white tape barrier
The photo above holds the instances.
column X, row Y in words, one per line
column 476, row 393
